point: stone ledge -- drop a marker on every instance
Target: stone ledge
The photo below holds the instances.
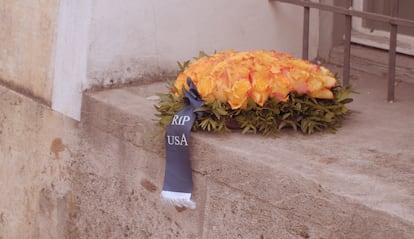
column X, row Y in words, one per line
column 354, row 184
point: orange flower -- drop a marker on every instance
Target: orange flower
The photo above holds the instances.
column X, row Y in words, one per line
column 280, row 87
column 232, row 77
column 260, row 92
column 206, row 88
column 180, row 82
column 237, row 97
column 322, row 94
column 298, row 79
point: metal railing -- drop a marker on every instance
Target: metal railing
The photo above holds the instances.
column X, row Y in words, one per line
column 349, row 12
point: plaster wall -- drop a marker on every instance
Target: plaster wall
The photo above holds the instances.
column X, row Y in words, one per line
column 27, row 35
column 71, row 56
column 53, row 50
column 145, row 38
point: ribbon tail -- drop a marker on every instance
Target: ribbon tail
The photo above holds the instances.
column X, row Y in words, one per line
column 178, row 199
column 178, row 182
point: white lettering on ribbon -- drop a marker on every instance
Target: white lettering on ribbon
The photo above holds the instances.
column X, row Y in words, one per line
column 180, row 120
column 177, row 140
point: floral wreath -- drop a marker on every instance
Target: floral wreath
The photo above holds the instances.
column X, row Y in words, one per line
column 258, row 91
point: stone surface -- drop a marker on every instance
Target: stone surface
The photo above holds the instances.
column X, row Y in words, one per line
column 304, row 178
column 375, row 62
column 37, row 147
column 27, row 37
column 101, row 178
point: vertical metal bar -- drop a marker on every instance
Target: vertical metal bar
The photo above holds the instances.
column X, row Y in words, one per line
column 305, row 41
column 347, row 46
column 392, row 53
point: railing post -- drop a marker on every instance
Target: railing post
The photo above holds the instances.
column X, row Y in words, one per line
column 305, row 41
column 347, row 46
column 392, row 57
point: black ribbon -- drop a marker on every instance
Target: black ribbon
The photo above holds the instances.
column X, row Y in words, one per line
column 178, row 173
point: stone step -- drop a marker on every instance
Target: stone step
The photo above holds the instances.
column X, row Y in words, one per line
column 374, row 61
column 357, row 183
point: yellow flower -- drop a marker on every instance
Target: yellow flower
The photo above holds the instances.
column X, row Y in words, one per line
column 237, row 97
column 315, row 84
column 206, row 88
column 329, row 82
column 280, row 87
column 222, row 89
column 298, row 79
column 260, row 92
column 322, row 94
column 181, row 82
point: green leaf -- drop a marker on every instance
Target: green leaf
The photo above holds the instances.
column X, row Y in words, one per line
column 285, row 116
column 346, row 101
column 282, row 125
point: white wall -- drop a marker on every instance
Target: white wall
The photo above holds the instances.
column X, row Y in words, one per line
column 71, row 56
column 143, row 37
column 103, row 42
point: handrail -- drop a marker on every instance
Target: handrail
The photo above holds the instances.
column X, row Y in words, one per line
column 352, row 12
column 349, row 12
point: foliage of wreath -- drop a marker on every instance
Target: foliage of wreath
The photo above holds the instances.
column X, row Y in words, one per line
column 299, row 112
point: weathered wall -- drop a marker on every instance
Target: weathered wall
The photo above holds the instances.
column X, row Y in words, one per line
column 37, row 147
column 27, row 34
column 147, row 37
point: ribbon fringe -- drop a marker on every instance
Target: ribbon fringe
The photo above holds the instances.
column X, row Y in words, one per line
column 178, row 199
